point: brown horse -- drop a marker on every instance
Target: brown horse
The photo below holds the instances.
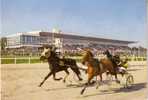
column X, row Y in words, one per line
column 95, row 67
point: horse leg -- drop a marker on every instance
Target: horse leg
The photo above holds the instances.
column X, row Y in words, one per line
column 107, row 73
column 122, row 74
column 80, row 79
column 116, row 78
column 101, row 77
column 86, row 84
column 98, row 81
column 54, row 77
column 67, row 74
column 76, row 70
column 49, row 74
column 115, row 74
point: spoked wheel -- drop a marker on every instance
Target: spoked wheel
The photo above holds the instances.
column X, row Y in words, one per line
column 129, row 81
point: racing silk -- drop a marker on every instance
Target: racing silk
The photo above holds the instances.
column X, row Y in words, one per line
column 124, row 64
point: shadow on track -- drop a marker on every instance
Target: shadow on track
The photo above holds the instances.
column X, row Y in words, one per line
column 70, row 86
column 64, row 88
column 135, row 87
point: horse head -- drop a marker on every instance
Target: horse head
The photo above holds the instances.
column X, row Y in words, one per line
column 87, row 56
column 117, row 58
column 107, row 53
column 47, row 53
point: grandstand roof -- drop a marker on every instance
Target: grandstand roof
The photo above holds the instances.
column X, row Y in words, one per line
column 70, row 36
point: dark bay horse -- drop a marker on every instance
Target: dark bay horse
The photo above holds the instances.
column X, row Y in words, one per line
column 95, row 67
column 57, row 64
column 115, row 60
column 121, row 64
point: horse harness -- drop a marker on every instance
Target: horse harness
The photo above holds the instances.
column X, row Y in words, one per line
column 56, row 61
column 98, row 67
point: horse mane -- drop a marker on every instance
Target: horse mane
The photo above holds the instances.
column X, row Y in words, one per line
column 108, row 54
column 88, row 55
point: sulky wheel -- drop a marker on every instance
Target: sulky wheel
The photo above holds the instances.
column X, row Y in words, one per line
column 129, row 81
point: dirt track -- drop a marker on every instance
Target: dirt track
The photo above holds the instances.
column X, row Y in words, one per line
column 20, row 82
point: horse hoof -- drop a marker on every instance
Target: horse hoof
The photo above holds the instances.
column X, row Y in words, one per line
column 118, row 81
column 97, row 87
column 80, row 79
column 58, row 79
column 82, row 91
column 93, row 82
column 40, row 85
column 64, row 81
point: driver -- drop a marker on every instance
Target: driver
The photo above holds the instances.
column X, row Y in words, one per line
column 113, row 59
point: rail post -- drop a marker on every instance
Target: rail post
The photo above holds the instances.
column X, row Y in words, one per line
column 15, row 60
column 29, row 59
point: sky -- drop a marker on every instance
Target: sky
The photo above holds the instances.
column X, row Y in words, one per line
column 115, row 19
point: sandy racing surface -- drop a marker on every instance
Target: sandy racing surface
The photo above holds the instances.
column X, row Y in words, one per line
column 20, row 82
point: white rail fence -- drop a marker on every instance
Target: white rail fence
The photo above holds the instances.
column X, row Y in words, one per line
column 29, row 60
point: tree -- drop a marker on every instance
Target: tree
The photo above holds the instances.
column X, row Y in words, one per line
column 3, row 42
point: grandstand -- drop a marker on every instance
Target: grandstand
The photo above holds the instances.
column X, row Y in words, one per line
column 31, row 42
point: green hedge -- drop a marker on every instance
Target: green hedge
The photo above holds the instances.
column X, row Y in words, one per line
column 7, row 61
column 35, row 61
column 19, row 61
